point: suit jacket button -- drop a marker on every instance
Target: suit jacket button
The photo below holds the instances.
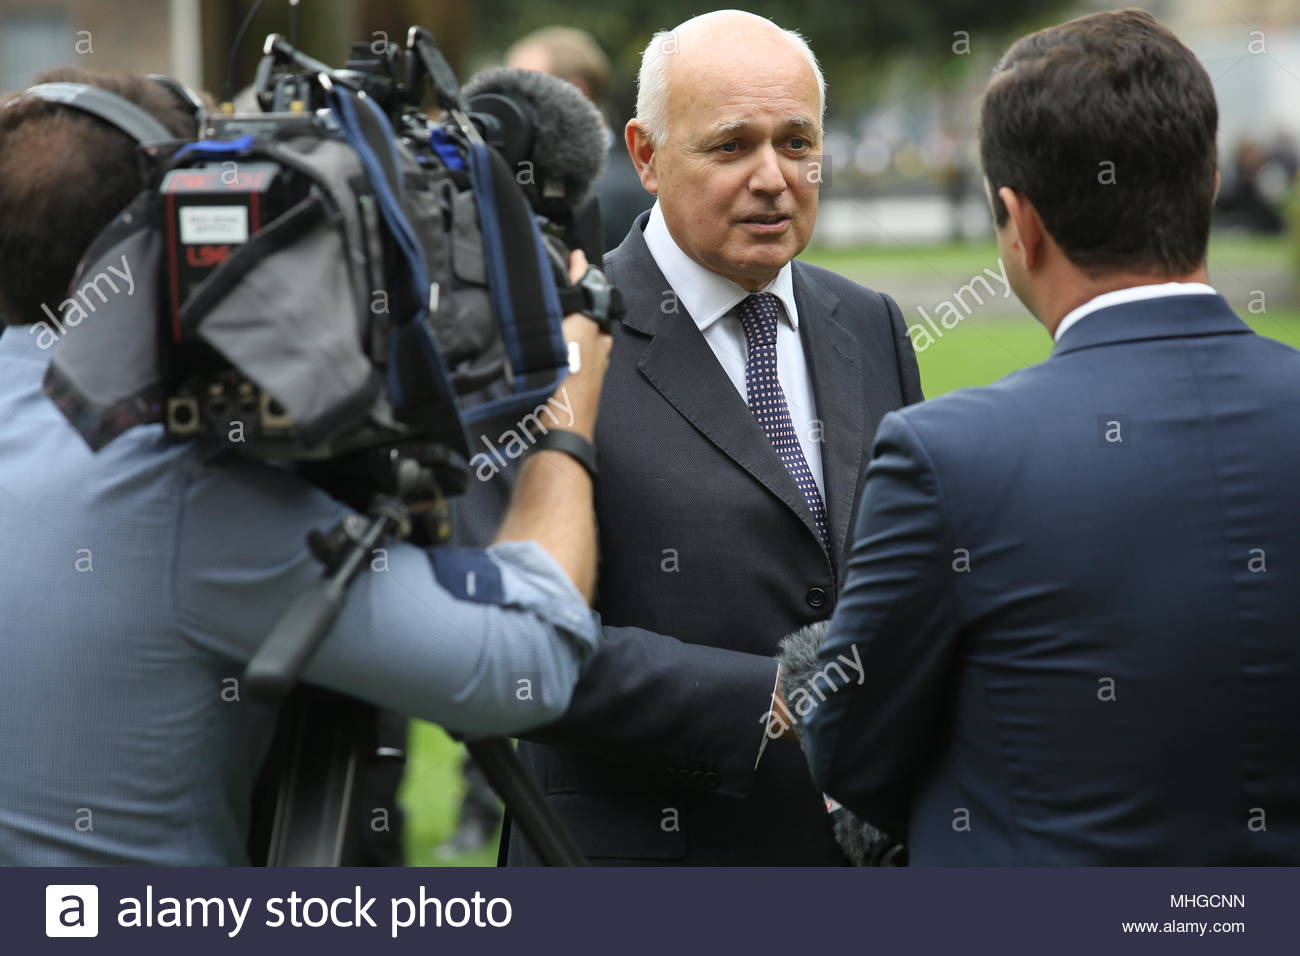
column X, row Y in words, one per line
column 815, row 597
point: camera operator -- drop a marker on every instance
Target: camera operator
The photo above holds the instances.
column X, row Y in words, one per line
column 136, row 583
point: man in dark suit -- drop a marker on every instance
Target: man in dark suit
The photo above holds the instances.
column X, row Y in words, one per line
column 1074, row 595
column 741, row 398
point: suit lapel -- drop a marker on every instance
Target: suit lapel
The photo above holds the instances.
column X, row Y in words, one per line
column 834, row 362
column 681, row 366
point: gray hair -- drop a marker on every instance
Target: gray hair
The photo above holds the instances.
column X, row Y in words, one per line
column 652, row 80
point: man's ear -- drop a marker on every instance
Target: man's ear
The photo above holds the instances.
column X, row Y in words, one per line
column 1218, row 181
column 642, row 152
column 1028, row 237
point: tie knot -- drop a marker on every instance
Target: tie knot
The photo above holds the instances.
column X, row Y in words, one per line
column 759, row 314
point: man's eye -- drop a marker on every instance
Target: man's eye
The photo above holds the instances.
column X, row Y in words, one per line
column 730, row 147
column 798, row 142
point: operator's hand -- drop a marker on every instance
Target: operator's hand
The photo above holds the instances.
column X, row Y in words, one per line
column 552, row 502
column 589, row 349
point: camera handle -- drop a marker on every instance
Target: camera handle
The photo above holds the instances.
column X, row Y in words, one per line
column 274, row 670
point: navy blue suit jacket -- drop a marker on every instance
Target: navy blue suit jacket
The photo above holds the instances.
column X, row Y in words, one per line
column 1076, row 596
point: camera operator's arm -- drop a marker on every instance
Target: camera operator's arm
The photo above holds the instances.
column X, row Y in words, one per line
column 480, row 641
column 552, row 502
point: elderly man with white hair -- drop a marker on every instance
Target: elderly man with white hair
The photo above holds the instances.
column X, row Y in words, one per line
column 742, row 397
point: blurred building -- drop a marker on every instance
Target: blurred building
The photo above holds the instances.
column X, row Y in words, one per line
column 191, row 39
column 142, row 35
column 1251, row 49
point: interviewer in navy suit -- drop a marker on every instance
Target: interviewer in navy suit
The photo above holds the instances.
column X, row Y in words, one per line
column 1075, row 593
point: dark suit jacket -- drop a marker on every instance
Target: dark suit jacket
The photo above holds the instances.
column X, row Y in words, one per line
column 709, row 555
column 1076, row 594
column 621, row 195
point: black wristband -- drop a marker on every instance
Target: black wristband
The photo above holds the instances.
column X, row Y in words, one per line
column 572, row 444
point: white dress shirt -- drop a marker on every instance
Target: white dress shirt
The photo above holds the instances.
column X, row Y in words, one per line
column 1137, row 293
column 711, row 301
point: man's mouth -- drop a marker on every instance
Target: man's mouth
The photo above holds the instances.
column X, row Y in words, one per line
column 767, row 220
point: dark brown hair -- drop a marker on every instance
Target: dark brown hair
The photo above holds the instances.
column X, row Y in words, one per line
column 1107, row 124
column 64, row 175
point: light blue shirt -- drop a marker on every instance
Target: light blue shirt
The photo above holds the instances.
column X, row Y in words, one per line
column 135, row 584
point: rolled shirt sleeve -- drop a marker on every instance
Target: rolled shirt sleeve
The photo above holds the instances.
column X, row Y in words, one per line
column 534, row 582
column 482, row 641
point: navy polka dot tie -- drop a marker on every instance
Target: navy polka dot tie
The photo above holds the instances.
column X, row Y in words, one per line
column 759, row 315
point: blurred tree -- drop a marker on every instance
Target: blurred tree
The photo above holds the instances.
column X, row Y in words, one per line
column 855, row 41
column 326, row 30
column 852, row 39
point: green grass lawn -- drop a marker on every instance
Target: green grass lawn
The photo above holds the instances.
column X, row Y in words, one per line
column 968, row 258
column 430, row 796
column 1000, row 337
column 980, row 349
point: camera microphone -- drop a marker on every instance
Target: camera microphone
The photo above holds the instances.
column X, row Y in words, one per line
column 544, row 127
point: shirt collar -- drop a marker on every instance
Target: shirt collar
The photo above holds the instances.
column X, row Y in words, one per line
column 706, row 295
column 1136, row 293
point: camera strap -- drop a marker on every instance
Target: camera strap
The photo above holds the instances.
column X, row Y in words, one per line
column 418, row 382
column 521, row 283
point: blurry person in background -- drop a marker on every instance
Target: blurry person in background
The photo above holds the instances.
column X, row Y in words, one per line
column 575, row 56
column 1253, row 193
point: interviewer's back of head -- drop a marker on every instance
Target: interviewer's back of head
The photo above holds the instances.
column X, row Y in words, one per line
column 1107, row 125
column 64, row 175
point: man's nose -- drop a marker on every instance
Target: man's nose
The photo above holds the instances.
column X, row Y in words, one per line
column 768, row 177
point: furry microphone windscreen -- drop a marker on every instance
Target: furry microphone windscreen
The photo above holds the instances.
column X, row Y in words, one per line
column 569, row 143
column 862, row 843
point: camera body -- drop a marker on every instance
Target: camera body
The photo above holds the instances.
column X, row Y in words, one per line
column 251, row 173
column 344, row 275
